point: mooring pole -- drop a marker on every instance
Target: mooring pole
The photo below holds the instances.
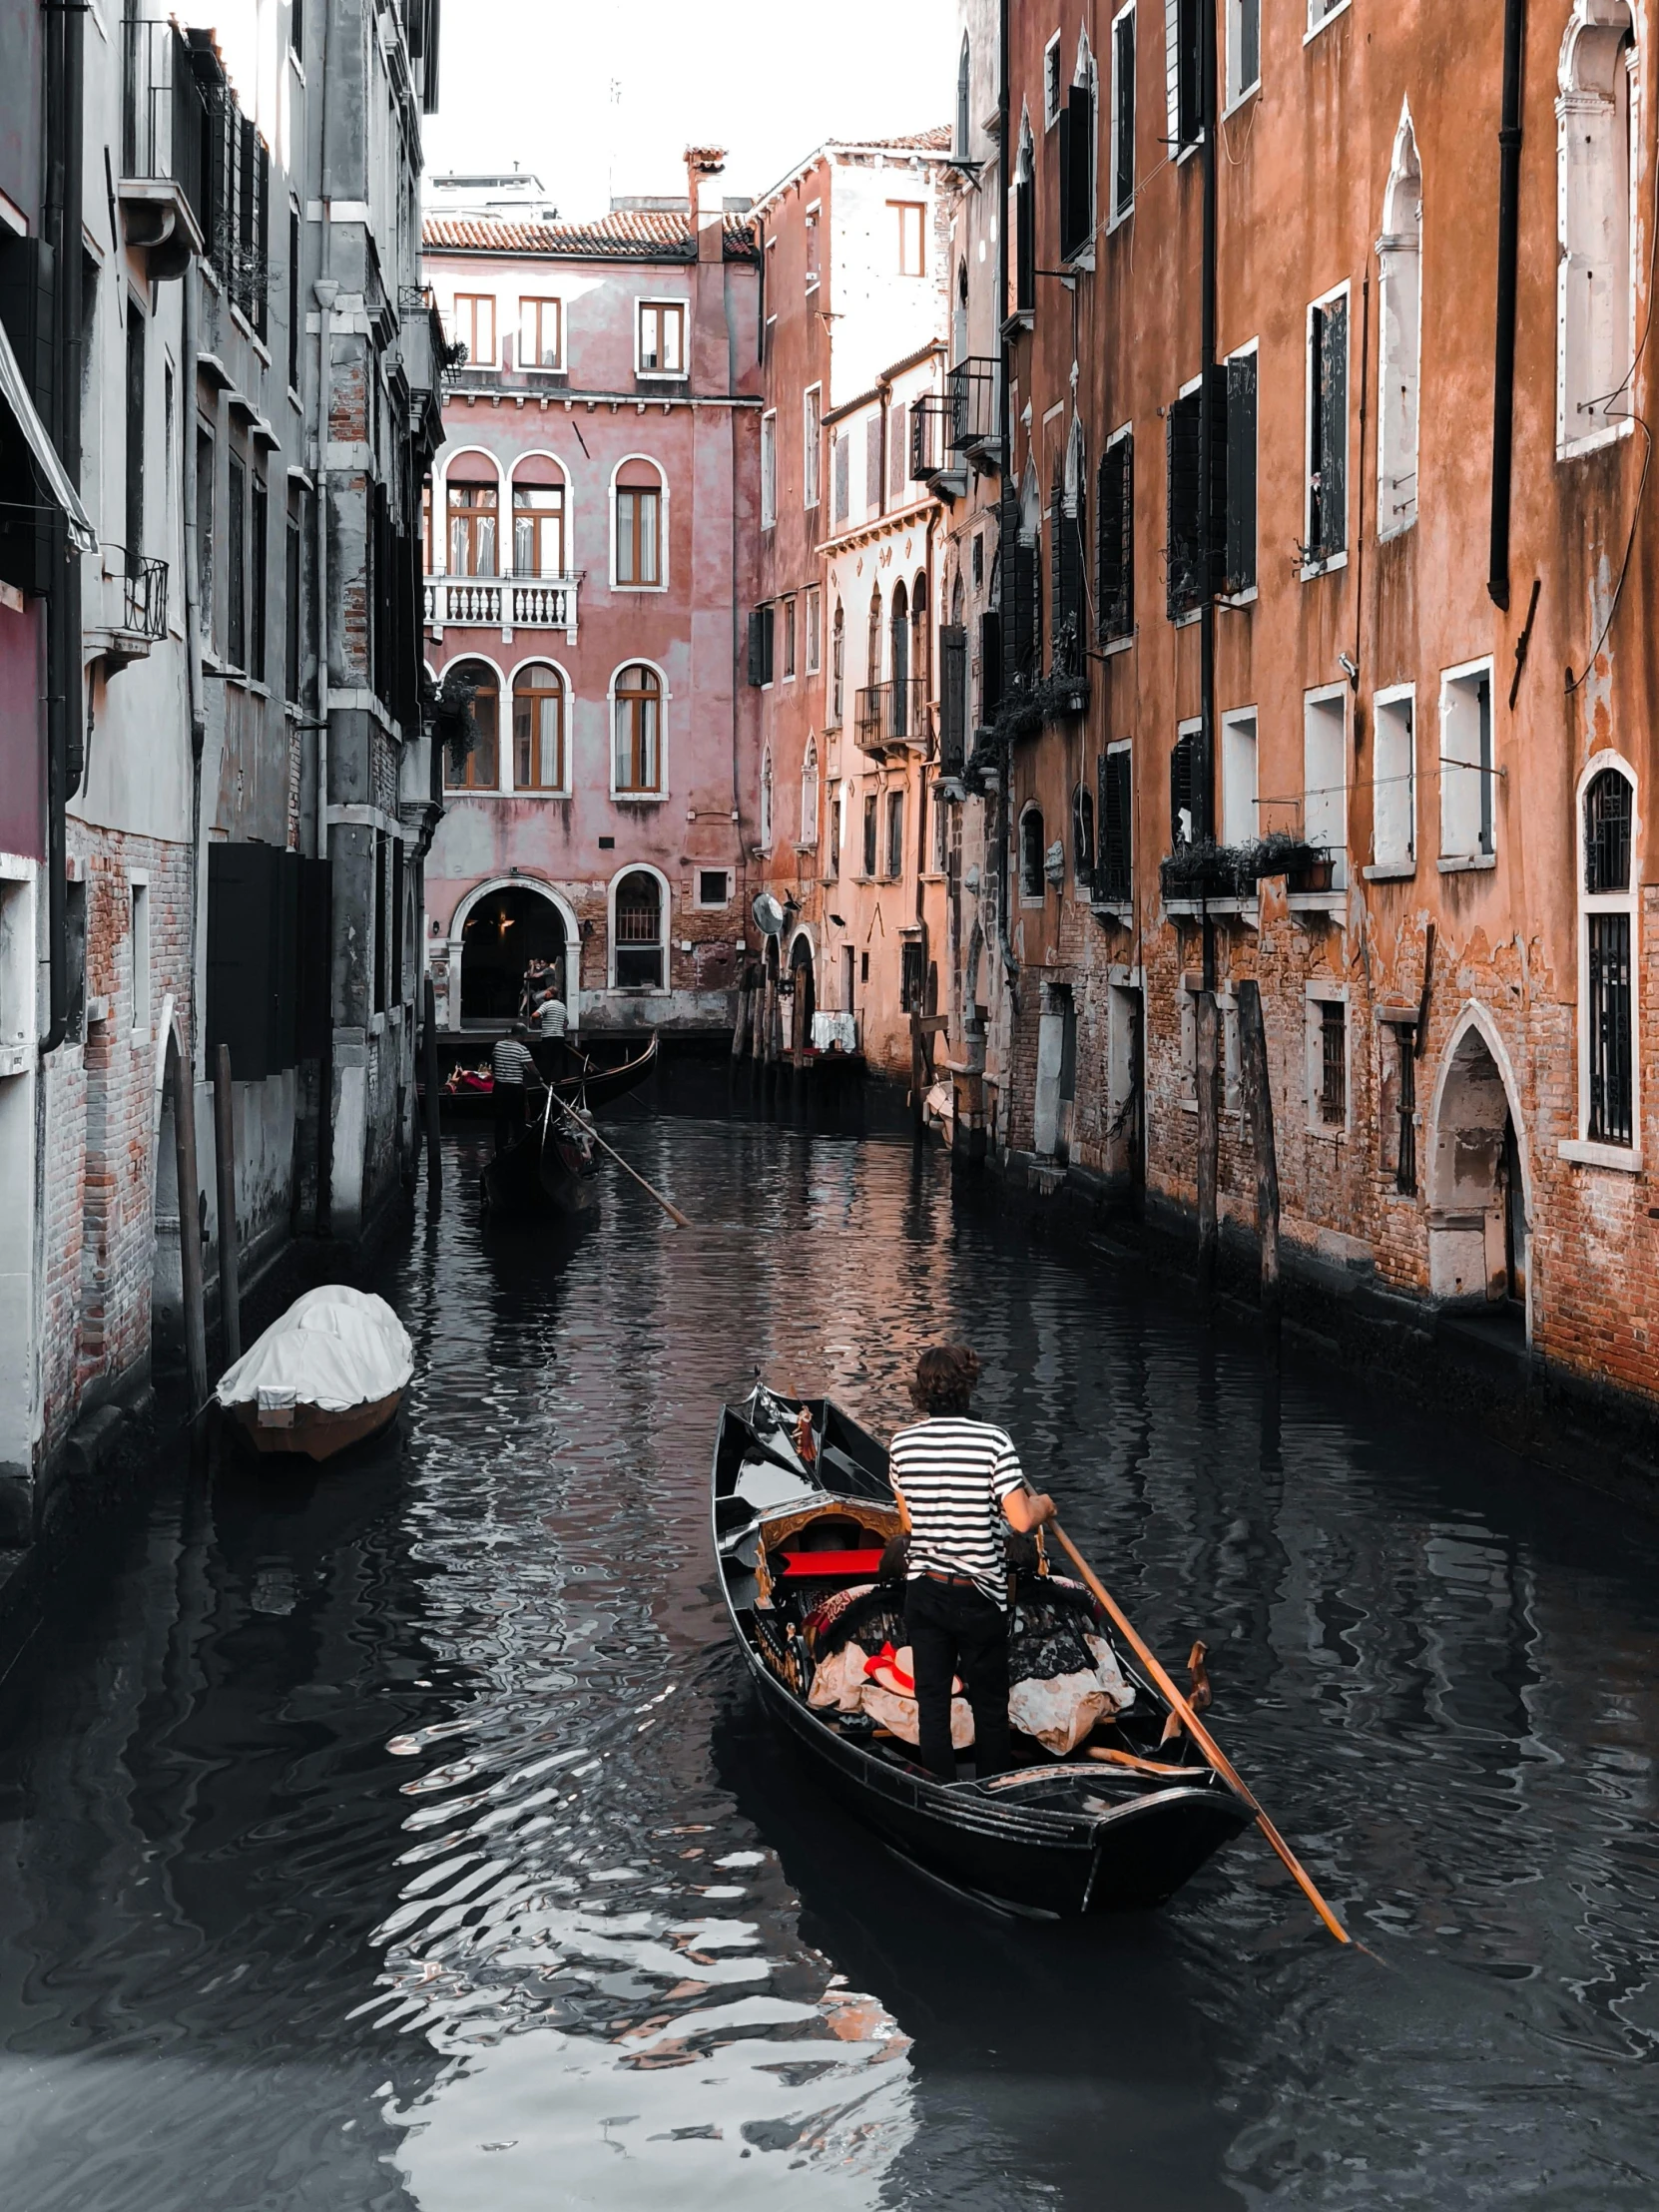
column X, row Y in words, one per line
column 190, row 1230
column 429, row 1084
column 1258, row 1100
column 1208, row 1137
column 225, row 1160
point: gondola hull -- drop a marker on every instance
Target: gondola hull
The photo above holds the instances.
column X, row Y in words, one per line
column 1057, row 1839
column 542, row 1176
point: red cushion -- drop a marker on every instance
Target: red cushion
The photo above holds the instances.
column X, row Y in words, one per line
column 799, row 1563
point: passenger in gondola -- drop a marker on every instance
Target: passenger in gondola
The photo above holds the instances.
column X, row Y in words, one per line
column 511, row 1068
column 959, row 1489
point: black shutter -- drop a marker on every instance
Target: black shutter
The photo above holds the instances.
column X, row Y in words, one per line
column 991, row 665
column 1190, row 102
column 1187, row 788
column 1241, row 473
column 241, row 936
column 1113, row 881
column 1025, row 246
column 262, row 239
column 1123, row 187
column 758, row 647
column 1214, row 572
column 28, row 288
column 952, row 696
column 1076, row 178
column 1328, row 504
column 1115, row 537
column 1066, row 554
column 1185, row 564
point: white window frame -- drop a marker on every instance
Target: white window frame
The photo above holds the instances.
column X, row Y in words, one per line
column 1318, row 996
column 507, row 744
column 810, row 767
column 1567, row 445
column 649, row 460
column 1585, row 1149
column 1053, row 83
column 472, row 361
column 767, row 811
column 1400, row 261
column 1451, row 680
column 539, row 299
column 663, row 376
column 637, row 798
column 1319, row 702
column 504, row 500
column 141, row 938
column 1317, row 21
column 1032, row 902
column 789, row 640
column 812, row 444
column 1251, row 350
column 1384, row 868
column 1233, row 722
column 712, row 905
column 811, row 226
column 502, row 786
column 1331, row 561
column 768, row 468
column 1114, row 213
column 1191, row 727
column 814, row 597
column 665, row 921
column 1234, row 94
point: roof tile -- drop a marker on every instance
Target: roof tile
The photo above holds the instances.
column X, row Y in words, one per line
column 627, row 235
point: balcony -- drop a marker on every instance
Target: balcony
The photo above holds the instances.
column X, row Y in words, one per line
column 504, row 603
column 133, row 608
column 162, row 118
column 971, row 394
column 929, row 417
column 891, row 714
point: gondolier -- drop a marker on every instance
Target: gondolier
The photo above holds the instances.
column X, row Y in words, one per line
column 959, row 1485
column 511, row 1068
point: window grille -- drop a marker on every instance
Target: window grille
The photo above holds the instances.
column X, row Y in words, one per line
column 1405, row 1155
column 1610, row 1029
column 1332, row 1064
column 1607, row 825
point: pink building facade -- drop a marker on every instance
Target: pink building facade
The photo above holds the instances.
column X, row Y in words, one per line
column 590, row 548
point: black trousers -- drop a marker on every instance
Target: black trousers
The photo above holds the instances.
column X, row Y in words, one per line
column 509, row 1114
column 955, row 1630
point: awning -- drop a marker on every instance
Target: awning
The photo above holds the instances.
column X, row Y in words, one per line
column 16, row 395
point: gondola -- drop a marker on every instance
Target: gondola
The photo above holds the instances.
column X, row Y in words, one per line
column 587, row 1085
column 802, row 1512
column 550, row 1170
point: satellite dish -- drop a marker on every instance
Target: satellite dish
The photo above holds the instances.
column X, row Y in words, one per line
column 769, row 915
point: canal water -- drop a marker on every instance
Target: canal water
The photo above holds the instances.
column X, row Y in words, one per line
column 406, row 1837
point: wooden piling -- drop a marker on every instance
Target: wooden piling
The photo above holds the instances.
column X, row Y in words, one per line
column 190, row 1230
column 429, row 1083
column 224, row 1161
column 1209, row 1136
column 1258, row 1103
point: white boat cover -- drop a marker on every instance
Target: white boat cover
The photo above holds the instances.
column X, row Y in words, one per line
column 335, row 1348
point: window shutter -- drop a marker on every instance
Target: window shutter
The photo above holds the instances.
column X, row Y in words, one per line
column 1115, row 541
column 1025, row 243
column 1184, row 506
column 952, row 695
column 1066, row 555
column 873, row 463
column 1113, row 879
column 991, row 665
column 899, row 445
column 843, row 475
column 756, row 647
column 242, row 982
column 1123, row 187
column 1213, row 574
column 262, row 235
column 1186, row 788
column 1333, row 414
column 1191, row 76
column 1241, row 473
column 1172, row 71
column 1076, row 180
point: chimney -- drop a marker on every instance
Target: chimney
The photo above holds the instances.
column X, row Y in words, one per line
column 704, row 164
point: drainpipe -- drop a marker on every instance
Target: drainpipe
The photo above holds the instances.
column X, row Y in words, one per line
column 1005, row 750
column 327, row 291
column 1508, row 229
column 1206, row 441
column 187, row 341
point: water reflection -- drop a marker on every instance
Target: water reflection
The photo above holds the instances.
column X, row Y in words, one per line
column 407, row 1837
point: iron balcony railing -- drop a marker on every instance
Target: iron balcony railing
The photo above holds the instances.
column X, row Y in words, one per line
column 930, row 418
column 161, row 111
column 144, row 596
column 502, row 602
column 891, row 714
column 971, row 387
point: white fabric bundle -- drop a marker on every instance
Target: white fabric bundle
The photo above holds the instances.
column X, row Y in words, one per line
column 1058, row 1712
column 335, row 1348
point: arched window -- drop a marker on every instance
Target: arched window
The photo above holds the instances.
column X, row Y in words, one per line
column 639, row 729
column 808, row 795
column 637, row 949
column 959, row 317
column 873, row 663
column 474, row 501
column 1082, row 833
column 538, row 518
column 477, row 766
column 1031, row 848
column 1607, row 953
column 963, row 143
column 837, row 664
column 538, row 729
column 765, row 796
column 639, row 526
column 919, row 670
column 1400, row 250
column 900, row 652
column 1595, row 282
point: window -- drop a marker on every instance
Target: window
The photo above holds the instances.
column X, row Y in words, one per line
column 1197, row 549
column 787, row 612
column 1067, row 525
column 912, row 979
column 1076, row 165
column 765, row 798
column 714, row 886
column 1238, row 777
column 1241, row 472
column 1189, row 809
column 258, row 554
column 1394, row 782
column 1607, row 903
column 1398, row 365
column 296, row 26
column 843, row 504
column 895, row 835
column 941, row 832
column 1406, row 1109
column 1114, row 881
column 1082, row 836
column 538, row 729
column 1324, row 778
column 1123, row 113
column 292, row 657
column 137, row 957
column 1595, row 282
column 205, row 576
column 378, row 928
column 475, row 327
column 134, row 434
column 235, row 563
column 1051, row 83
column 1244, row 48
column 838, row 665
column 808, row 795
column 814, row 628
column 473, row 509
column 762, row 637
column 1467, row 829
column 538, row 527
column 964, row 142
column 1332, row 1062
column 811, row 443
column 662, row 337
column 1023, row 232
column 899, row 450
column 639, row 527
column 637, row 938
column 1327, row 429
column 1115, row 540
column 870, row 805
column 910, row 216
column 540, row 333
column 769, row 470
column 838, row 818
column 809, row 241
column 296, row 319
column 1183, row 72
column 872, row 464
column 479, row 768
column 639, row 730
column 1033, row 885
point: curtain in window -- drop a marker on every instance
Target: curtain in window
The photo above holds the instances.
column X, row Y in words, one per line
column 473, row 519
column 538, row 530
column 638, row 730
column 538, row 729
column 637, row 534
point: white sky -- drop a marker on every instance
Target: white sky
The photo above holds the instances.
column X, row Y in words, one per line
column 606, row 97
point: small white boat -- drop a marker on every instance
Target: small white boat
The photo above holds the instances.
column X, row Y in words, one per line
column 329, row 1373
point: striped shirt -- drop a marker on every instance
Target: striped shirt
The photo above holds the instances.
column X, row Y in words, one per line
column 953, row 1474
column 511, row 1062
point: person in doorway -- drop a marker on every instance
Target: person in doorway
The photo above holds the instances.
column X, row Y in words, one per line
column 511, row 1068
column 960, row 1486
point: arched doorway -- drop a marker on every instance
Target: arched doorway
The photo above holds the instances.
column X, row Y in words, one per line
column 504, row 933
column 1478, row 1209
column 803, row 1003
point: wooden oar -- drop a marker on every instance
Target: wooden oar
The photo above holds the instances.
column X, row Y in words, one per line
column 673, row 1212
column 1200, row 1734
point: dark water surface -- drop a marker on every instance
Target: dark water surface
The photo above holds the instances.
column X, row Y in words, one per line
column 407, row 1837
